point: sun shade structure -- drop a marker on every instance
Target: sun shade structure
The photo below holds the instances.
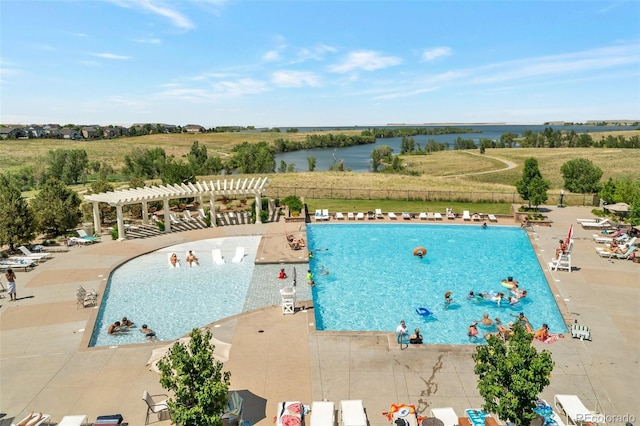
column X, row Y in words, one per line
column 199, row 190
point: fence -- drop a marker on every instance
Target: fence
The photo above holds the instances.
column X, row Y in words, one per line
column 423, row 195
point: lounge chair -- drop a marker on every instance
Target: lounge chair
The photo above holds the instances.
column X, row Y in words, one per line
column 201, row 214
column 234, row 408
column 89, row 238
column 430, row 216
column 325, row 214
column 437, row 216
column 289, row 413
column 601, row 239
column 447, row 415
column 31, row 255
column 406, row 216
column 237, row 258
column 154, row 407
column 581, row 332
column 174, row 218
column 339, row 216
column 16, row 263
column 392, row 216
column 76, row 420
column 476, row 415
column 351, row 216
column 466, row 215
column 450, row 214
column 492, row 218
column 323, row 413
column 234, row 218
column 604, row 223
column 402, row 415
column 352, row 413
column 318, row 215
column 573, row 408
column 379, row 214
column 187, row 216
column 422, row 216
column 33, row 417
column 216, row 255
column 476, row 217
column 590, row 220
column 360, row 216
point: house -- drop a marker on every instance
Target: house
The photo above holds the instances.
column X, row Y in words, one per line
column 89, row 132
column 194, row 128
column 11, row 132
column 72, row 134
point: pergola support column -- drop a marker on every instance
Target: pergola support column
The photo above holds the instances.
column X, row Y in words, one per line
column 145, row 212
column 212, row 212
column 258, row 208
column 96, row 218
column 120, row 221
column 167, row 218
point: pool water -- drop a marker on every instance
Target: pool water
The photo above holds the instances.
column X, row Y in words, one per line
column 374, row 280
column 173, row 301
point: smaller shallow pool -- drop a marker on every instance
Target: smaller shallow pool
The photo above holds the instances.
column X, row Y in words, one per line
column 173, row 301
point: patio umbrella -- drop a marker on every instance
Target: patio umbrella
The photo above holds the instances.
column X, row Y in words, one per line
column 618, row 207
column 253, row 406
column 569, row 235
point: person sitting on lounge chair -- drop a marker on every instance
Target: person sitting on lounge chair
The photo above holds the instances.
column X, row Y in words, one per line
column 562, row 249
column 542, row 334
column 173, row 259
column 191, row 259
column 30, row 420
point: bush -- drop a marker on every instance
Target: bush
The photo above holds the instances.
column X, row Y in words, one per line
column 294, row 203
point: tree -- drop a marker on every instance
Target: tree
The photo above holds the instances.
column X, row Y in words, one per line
column 199, row 385
column 380, row 155
column 608, row 191
column 311, row 161
column 68, row 165
column 538, row 191
column 529, row 174
column 581, row 175
column 56, row 208
column 511, row 375
column 17, row 224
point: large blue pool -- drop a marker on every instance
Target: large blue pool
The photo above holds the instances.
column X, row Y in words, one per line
column 375, row 281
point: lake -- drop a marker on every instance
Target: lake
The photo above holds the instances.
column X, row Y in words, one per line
column 358, row 158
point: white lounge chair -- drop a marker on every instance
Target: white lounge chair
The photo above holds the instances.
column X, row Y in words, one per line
column 447, row 415
column 323, row 413
column 437, row 216
column 392, row 216
column 201, row 214
column 177, row 265
column 31, row 255
column 573, row 408
column 422, row 216
column 16, row 263
column 492, row 218
column 339, row 216
column 325, row 214
column 604, row 223
column 379, row 214
column 234, row 218
column 430, row 216
column 216, row 255
column 581, row 332
column 187, row 216
column 318, row 215
column 76, row 420
column 590, row 220
column 174, row 218
column 352, row 413
column 33, row 417
column 351, row 216
column 88, row 238
column 466, row 215
column 360, row 216
column 237, row 258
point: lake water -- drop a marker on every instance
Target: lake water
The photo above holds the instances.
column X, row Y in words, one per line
column 358, row 158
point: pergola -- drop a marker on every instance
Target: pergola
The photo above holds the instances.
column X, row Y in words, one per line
column 247, row 187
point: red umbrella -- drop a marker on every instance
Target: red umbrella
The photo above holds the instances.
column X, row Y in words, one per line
column 569, row 235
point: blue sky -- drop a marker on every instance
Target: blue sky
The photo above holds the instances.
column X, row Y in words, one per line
column 318, row 63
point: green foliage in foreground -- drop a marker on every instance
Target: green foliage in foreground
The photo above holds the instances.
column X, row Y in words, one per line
column 16, row 218
column 197, row 381
column 511, row 375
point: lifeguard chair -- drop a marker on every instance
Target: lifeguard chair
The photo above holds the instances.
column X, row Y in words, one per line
column 288, row 296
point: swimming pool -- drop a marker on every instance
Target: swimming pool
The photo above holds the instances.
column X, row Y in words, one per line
column 374, row 279
column 173, row 301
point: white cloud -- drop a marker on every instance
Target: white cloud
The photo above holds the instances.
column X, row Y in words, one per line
column 295, row 79
column 177, row 19
column 110, row 56
column 436, row 52
column 245, row 86
column 153, row 40
column 366, row 60
column 272, row 55
column 315, row 53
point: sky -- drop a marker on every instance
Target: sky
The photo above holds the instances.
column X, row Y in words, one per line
column 306, row 63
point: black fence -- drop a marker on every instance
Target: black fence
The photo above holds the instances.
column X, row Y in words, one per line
column 418, row 195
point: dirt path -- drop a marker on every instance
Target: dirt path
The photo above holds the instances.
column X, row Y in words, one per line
column 509, row 165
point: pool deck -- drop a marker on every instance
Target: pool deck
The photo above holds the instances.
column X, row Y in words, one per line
column 45, row 364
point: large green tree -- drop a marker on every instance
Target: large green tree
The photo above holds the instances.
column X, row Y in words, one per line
column 380, row 155
column 530, row 185
column 581, row 175
column 56, row 208
column 68, row 165
column 197, row 381
column 17, row 224
column 511, row 375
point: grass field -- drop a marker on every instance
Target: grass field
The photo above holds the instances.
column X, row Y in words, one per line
column 440, row 171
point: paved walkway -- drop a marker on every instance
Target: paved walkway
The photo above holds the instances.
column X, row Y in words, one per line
column 45, row 364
